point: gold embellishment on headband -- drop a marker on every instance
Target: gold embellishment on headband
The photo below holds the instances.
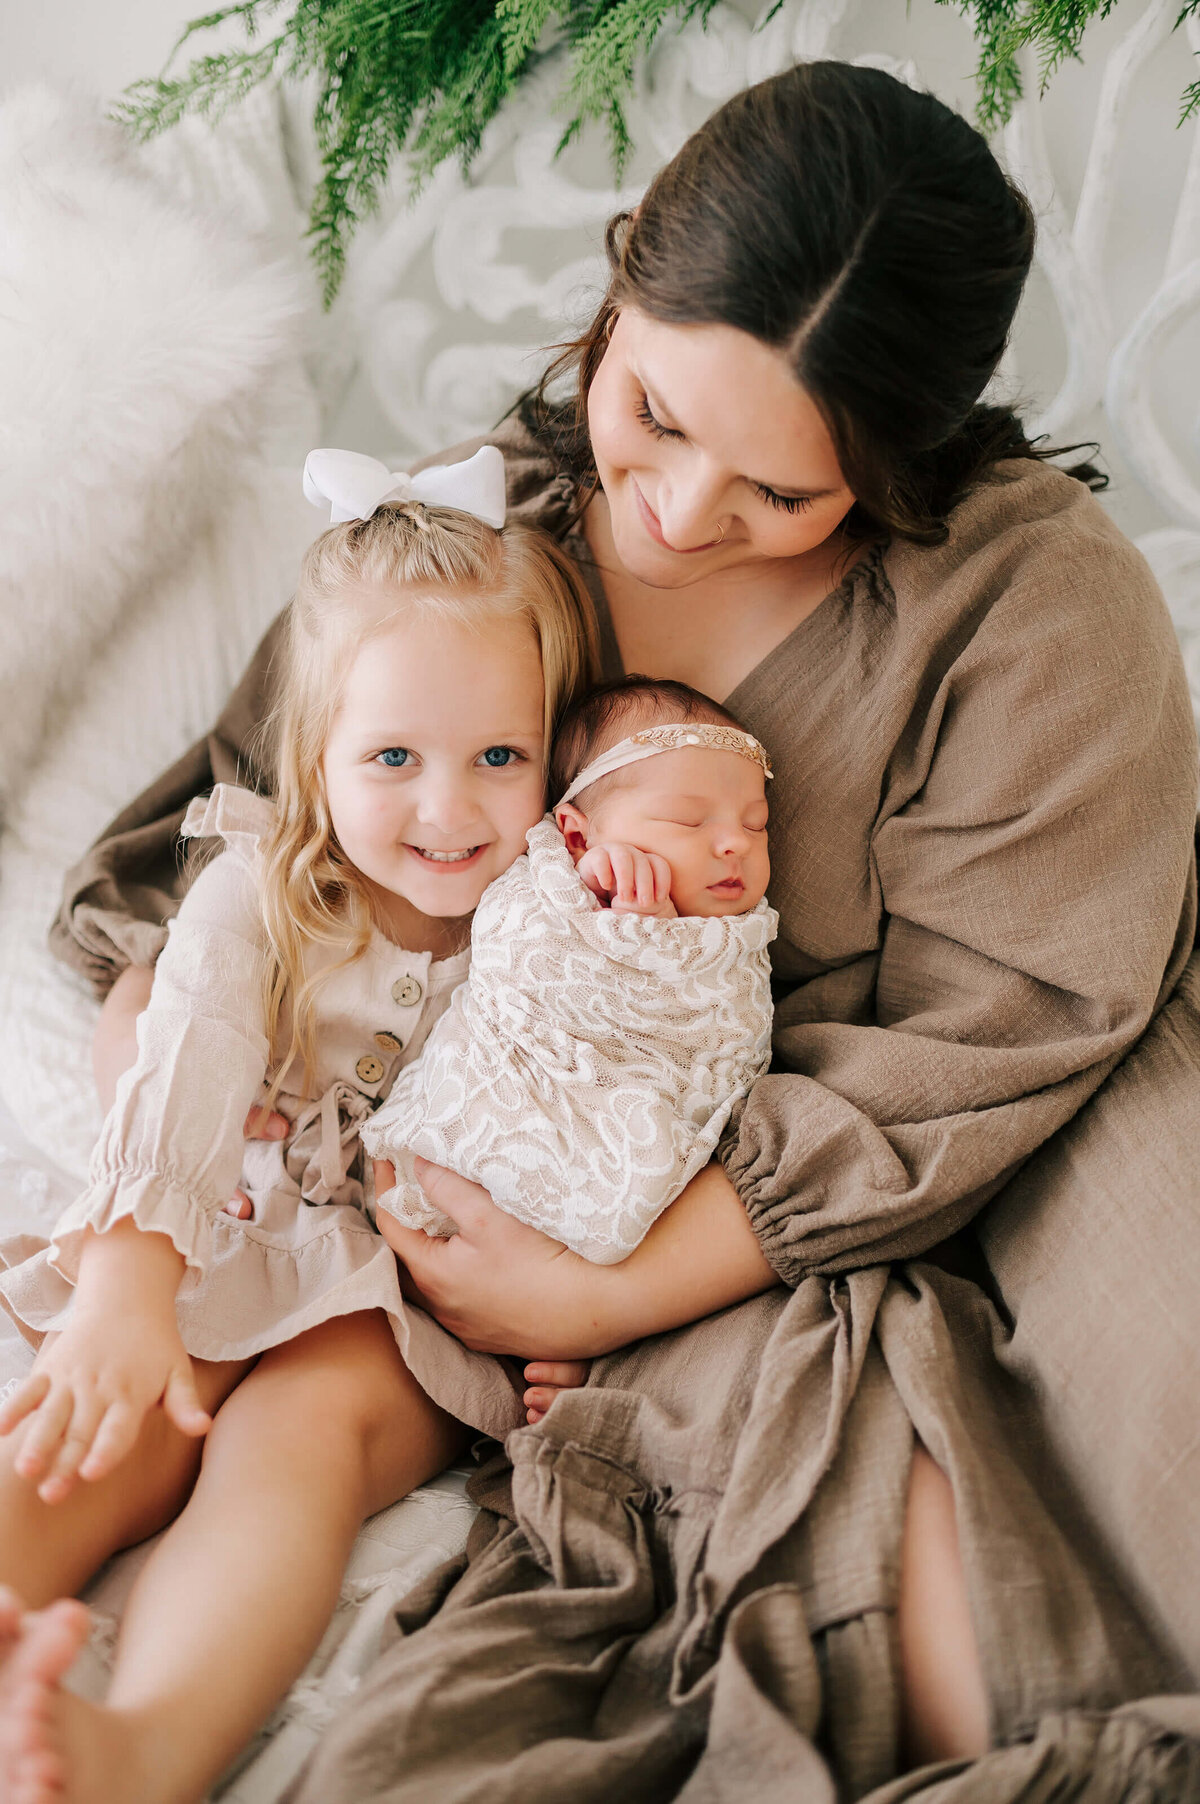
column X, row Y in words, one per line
column 721, row 739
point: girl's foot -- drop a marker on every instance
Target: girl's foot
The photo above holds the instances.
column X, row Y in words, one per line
column 54, row 1747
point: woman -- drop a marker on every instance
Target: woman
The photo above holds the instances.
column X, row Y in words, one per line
column 710, row 1573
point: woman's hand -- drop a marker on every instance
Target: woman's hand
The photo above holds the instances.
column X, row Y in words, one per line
column 119, row 1357
column 499, row 1285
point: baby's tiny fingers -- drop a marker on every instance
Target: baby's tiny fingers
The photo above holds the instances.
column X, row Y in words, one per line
column 662, row 876
column 113, row 1439
column 24, row 1399
column 240, row 1206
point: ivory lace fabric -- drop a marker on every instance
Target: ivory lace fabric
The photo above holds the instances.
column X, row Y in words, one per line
column 586, row 1069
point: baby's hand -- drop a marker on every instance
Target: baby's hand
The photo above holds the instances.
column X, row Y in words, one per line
column 628, row 881
column 89, row 1391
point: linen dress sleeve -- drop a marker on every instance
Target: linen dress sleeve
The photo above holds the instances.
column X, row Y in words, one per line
column 170, row 1151
column 1034, row 860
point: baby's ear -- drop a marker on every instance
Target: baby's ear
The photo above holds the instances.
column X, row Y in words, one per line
column 573, row 825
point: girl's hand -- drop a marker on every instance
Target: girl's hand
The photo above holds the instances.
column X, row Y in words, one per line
column 498, row 1285
column 628, row 881
column 89, row 1392
column 547, row 1377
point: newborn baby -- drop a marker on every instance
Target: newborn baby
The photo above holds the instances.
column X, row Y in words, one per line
column 618, row 1005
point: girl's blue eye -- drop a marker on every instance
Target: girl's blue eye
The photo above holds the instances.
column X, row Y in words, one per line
column 394, row 757
column 498, row 756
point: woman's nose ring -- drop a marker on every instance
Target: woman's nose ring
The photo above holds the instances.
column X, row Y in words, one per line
column 720, row 531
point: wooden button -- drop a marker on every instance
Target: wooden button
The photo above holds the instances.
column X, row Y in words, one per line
column 369, row 1069
column 388, row 1042
column 407, row 992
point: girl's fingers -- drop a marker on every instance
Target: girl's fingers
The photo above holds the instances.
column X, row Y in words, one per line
column 24, row 1399
column 45, row 1430
column 564, row 1374
column 240, row 1206
column 182, row 1404
column 60, row 1479
column 644, row 875
column 113, row 1439
column 385, row 1175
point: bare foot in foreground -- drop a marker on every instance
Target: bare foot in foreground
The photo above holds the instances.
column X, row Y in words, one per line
column 54, row 1747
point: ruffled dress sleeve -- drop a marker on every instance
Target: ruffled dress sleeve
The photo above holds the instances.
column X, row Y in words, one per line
column 584, row 1072
column 170, row 1152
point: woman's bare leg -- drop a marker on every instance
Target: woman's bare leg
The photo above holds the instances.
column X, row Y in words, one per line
column 227, row 1612
column 945, row 1708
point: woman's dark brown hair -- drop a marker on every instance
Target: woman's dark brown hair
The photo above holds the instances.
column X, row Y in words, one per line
column 866, row 231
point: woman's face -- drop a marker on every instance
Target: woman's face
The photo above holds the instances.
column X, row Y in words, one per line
column 711, row 455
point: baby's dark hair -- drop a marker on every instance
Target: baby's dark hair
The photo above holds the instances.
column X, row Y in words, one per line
column 612, row 711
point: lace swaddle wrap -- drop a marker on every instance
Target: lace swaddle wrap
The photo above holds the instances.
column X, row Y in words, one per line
column 586, row 1069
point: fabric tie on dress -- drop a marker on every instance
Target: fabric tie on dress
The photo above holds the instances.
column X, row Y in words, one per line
column 353, row 485
column 324, row 1141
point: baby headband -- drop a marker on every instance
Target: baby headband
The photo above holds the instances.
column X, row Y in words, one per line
column 668, row 739
column 353, row 485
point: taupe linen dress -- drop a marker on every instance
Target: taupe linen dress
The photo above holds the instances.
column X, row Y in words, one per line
column 684, row 1581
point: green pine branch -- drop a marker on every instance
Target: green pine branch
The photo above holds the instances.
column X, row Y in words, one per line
column 427, row 77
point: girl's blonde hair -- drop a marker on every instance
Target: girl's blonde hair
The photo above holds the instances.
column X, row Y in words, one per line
column 357, row 578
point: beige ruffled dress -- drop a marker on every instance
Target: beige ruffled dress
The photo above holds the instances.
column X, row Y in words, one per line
column 172, row 1152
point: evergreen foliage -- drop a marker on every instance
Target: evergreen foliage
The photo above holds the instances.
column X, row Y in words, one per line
column 427, row 76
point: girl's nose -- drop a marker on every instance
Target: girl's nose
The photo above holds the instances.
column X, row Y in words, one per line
column 445, row 804
column 731, row 841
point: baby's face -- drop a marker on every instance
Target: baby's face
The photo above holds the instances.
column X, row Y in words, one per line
column 705, row 812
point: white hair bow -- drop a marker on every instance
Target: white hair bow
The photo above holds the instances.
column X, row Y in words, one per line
column 353, row 485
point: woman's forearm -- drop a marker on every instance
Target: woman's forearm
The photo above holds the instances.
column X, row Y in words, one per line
column 114, row 1044
column 701, row 1255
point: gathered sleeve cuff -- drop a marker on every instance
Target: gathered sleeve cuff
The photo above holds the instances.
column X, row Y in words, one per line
column 1036, row 866
column 170, row 1152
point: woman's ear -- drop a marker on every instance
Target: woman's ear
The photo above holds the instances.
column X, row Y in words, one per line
column 573, row 825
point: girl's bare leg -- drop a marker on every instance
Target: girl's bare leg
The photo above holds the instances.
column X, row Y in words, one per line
column 52, row 1550
column 944, row 1698
column 322, row 1433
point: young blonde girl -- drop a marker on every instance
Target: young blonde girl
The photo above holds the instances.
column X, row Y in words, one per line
column 250, row 1381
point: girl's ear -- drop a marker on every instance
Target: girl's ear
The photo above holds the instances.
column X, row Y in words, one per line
column 573, row 825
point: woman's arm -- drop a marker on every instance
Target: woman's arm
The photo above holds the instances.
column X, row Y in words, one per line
column 502, row 1287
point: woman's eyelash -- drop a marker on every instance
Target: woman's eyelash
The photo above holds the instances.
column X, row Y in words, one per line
column 655, row 426
column 790, row 504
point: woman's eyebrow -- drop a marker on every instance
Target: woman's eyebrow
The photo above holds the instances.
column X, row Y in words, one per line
column 665, row 417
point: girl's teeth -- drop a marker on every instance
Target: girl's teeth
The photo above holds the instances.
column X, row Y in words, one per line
column 448, row 857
